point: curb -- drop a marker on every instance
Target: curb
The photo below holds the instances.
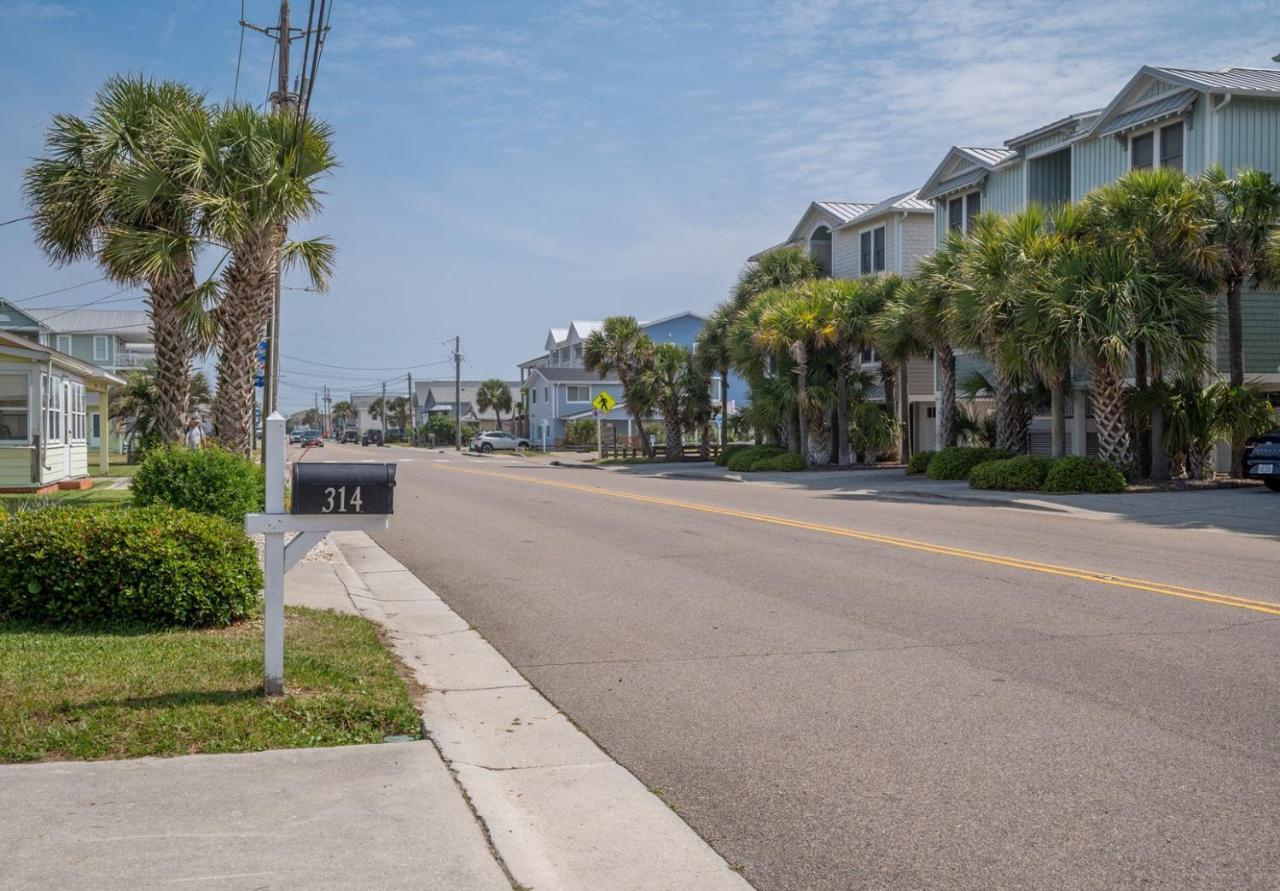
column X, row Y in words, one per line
column 559, row 812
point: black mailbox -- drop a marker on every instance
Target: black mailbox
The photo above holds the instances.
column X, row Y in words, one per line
column 343, row 488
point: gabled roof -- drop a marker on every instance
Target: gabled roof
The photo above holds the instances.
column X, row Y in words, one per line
column 1070, row 123
column 70, row 319
column 671, row 318
column 13, row 317
column 908, row 202
column 569, row 375
column 834, row 213
column 1245, row 81
column 579, row 330
column 984, row 160
column 17, row 345
column 1168, row 105
column 555, row 337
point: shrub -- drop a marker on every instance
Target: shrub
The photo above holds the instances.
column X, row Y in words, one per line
column 580, row 432
column 919, row 462
column 155, row 566
column 744, row 460
column 786, row 462
column 1079, row 474
column 208, row 481
column 729, row 451
column 1024, row 473
column 954, row 463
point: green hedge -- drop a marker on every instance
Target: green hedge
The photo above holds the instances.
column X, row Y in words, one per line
column 1079, row 474
column 730, row 450
column 786, row 463
column 208, row 481
column 744, row 460
column 955, row 463
column 1023, row 473
column 154, row 566
column 919, row 462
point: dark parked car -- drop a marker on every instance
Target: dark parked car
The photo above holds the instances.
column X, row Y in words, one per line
column 371, row 437
column 1262, row 458
column 313, row 440
column 350, row 436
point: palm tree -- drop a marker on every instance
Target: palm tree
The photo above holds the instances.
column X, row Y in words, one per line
column 713, row 355
column 776, row 269
column 494, row 394
column 793, row 323
column 112, row 190
column 669, row 378
column 341, row 411
column 993, row 269
column 620, row 346
column 138, row 405
column 854, row 305
column 1246, row 211
column 935, row 287
column 255, row 173
column 896, row 329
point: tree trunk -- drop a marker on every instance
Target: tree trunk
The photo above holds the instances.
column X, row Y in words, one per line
column 904, row 415
column 724, row 407
column 173, row 352
column 1008, row 422
column 802, row 421
column 1159, row 454
column 1107, row 392
column 946, row 424
column 242, row 320
column 1235, row 333
column 675, row 436
column 1057, row 418
column 1142, row 444
column 842, row 414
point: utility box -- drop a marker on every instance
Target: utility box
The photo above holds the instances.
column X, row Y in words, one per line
column 343, row 488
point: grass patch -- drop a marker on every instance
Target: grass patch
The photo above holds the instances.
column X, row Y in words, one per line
column 93, row 694
column 660, row 459
column 117, row 465
column 94, row 497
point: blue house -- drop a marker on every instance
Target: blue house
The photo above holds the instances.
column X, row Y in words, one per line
column 560, row 390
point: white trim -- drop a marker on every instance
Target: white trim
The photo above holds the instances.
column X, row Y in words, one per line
column 57, row 343
column 106, row 347
column 871, row 230
column 1157, row 141
column 26, row 374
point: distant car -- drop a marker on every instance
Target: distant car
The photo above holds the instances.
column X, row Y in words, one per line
column 295, row 436
column 490, row 440
column 313, row 440
column 1262, row 458
column 371, row 437
column 350, row 436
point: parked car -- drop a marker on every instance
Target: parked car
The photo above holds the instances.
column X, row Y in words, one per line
column 1262, row 458
column 350, row 436
column 313, row 440
column 371, row 437
column 295, row 436
column 490, row 440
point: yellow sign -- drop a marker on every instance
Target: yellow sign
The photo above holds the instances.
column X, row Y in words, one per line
column 603, row 401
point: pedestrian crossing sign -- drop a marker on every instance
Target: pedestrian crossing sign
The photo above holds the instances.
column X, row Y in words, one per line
column 603, row 401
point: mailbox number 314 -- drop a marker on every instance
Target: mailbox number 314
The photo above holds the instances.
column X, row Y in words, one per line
column 337, row 501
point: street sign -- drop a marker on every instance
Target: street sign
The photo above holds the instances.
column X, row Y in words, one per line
column 604, row 402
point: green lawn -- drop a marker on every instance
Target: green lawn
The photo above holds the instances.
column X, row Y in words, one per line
column 103, row 694
column 67, row 498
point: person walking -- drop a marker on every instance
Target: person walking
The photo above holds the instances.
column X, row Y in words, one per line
column 195, row 434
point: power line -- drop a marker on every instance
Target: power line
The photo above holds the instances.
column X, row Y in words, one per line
column 26, row 300
column 356, row 368
column 71, row 309
column 235, row 93
column 16, row 220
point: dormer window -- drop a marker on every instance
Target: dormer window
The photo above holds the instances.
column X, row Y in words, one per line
column 962, row 211
column 1163, row 144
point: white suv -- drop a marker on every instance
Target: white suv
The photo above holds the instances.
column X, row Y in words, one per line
column 497, row 439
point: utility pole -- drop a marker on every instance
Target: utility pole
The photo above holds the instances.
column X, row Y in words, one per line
column 457, row 393
column 383, row 413
column 409, row 408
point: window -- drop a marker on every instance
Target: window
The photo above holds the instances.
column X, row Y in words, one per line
column 868, row 355
column 533, row 397
column 546, row 394
column 14, row 408
column 577, row 394
column 51, row 406
column 62, row 343
column 75, row 409
column 972, row 207
column 97, row 426
column 101, row 350
column 1142, row 151
column 871, row 247
column 1171, row 146
column 713, row 388
column 955, row 214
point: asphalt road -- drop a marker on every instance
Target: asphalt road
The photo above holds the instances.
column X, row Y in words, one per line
column 840, row 690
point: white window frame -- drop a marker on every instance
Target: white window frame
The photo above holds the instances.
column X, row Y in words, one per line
column 1157, row 142
column 51, row 422
column 713, row 388
column 870, row 232
column 58, row 340
column 26, row 377
column 568, row 392
column 75, row 407
column 106, row 348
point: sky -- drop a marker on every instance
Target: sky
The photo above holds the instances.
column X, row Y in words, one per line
column 510, row 165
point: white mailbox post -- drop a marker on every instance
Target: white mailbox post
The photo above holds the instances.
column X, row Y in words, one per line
column 278, row 558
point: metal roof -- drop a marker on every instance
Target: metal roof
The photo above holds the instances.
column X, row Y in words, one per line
column 843, row 210
column 1231, row 80
column 964, row 180
column 571, row 375
column 1071, row 120
column 1169, row 104
column 987, row 157
column 907, row 201
column 17, row 343
column 66, row 319
column 584, row 329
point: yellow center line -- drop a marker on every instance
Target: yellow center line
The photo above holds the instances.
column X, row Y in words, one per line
column 1088, row 575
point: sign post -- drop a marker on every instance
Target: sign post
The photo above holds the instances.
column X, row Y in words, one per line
column 604, row 403
column 326, row 498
